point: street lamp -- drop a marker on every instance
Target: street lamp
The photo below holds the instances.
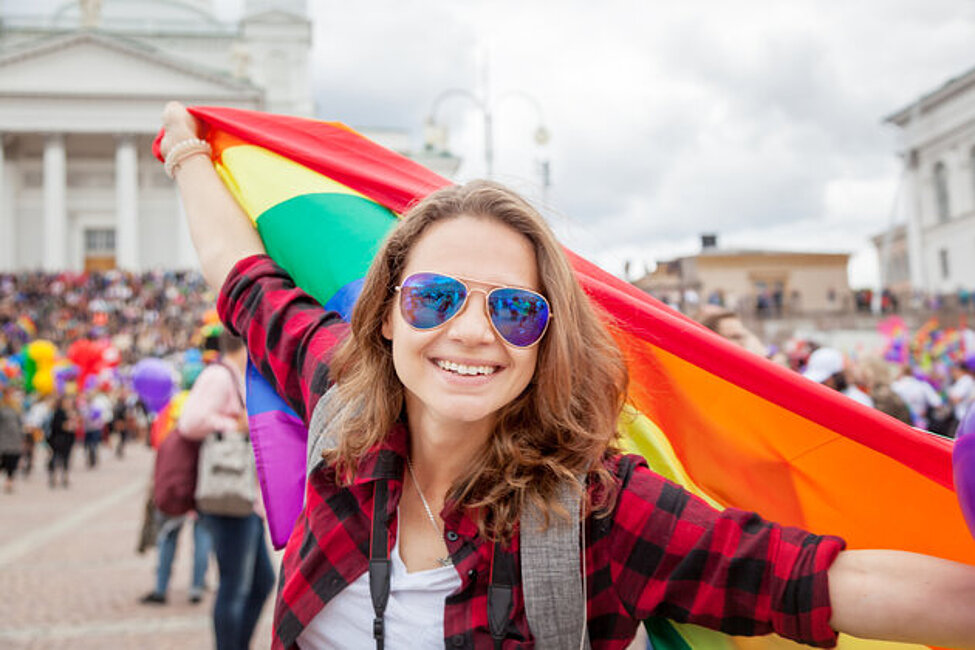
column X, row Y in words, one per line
column 435, row 136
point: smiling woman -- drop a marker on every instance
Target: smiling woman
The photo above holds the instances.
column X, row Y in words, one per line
column 474, row 382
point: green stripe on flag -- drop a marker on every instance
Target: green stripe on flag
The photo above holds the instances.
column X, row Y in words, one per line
column 324, row 241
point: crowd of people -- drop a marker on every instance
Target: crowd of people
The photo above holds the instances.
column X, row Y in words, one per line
column 130, row 316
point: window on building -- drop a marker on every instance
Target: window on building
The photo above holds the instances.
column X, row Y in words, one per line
column 941, row 191
column 100, row 241
column 943, row 257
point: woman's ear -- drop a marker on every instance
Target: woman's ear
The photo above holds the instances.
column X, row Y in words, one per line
column 388, row 326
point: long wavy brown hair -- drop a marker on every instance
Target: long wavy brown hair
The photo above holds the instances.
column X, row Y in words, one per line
column 560, row 427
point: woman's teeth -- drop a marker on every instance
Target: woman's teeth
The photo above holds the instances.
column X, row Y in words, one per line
column 461, row 369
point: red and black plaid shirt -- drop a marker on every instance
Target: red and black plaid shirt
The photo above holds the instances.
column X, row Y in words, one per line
column 663, row 552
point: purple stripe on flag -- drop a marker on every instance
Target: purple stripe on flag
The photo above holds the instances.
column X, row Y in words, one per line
column 279, row 441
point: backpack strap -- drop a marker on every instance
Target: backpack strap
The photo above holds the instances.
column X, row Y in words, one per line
column 321, row 435
column 554, row 588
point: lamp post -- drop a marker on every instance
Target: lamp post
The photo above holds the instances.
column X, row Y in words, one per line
column 435, row 135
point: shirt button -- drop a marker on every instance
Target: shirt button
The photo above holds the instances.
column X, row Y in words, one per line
column 452, row 536
column 472, row 574
column 457, row 640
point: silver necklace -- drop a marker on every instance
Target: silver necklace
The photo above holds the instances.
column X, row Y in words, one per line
column 445, row 560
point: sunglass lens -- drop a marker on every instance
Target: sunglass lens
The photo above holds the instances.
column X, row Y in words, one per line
column 429, row 300
column 519, row 316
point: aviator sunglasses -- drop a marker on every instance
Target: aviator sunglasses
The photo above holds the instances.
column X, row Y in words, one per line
column 519, row 316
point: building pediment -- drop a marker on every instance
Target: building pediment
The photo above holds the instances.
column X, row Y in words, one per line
column 91, row 65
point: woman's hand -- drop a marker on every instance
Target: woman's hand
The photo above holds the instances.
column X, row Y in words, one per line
column 222, row 234
column 178, row 125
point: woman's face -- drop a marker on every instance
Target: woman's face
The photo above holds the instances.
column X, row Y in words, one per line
column 435, row 365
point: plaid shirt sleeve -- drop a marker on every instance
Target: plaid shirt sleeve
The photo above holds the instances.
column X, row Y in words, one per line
column 289, row 335
column 670, row 554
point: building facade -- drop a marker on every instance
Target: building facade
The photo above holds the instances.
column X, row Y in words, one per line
column 81, row 94
column 938, row 150
column 766, row 283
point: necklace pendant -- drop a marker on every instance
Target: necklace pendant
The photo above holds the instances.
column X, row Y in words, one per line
column 445, row 561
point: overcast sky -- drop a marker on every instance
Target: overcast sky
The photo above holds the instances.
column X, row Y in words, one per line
column 760, row 121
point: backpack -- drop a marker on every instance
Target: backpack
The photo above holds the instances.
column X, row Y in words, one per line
column 174, row 474
column 554, row 588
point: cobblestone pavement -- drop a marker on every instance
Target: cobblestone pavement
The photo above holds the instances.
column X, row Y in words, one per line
column 70, row 576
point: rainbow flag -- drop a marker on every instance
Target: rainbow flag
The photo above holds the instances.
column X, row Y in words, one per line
column 729, row 426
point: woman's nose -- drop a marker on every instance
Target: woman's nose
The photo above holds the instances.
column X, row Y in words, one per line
column 471, row 326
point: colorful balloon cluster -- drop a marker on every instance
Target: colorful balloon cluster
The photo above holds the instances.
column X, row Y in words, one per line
column 91, row 358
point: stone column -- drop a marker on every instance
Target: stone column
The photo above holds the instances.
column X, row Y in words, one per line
column 55, row 203
column 8, row 232
column 915, row 224
column 185, row 253
column 126, row 204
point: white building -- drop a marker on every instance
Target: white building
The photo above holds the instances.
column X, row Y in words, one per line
column 938, row 150
column 81, row 93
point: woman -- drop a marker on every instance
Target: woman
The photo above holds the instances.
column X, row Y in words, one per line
column 11, row 435
column 61, row 439
column 215, row 404
column 460, row 420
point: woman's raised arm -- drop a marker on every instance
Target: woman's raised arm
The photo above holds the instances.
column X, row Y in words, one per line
column 900, row 596
column 221, row 232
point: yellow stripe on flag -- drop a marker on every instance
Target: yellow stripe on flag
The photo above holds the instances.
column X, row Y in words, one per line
column 277, row 178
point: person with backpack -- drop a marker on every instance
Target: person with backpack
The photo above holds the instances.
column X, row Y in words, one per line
column 226, row 491
column 472, row 389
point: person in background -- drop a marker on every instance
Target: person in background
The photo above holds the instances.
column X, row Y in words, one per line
column 728, row 325
column 61, row 440
column 215, row 404
column 873, row 376
column 11, row 435
column 826, row 367
column 921, row 398
column 961, row 393
column 167, row 537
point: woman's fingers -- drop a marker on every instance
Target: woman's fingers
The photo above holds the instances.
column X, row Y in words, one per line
column 178, row 125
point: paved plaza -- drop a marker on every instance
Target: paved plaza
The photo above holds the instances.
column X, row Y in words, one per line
column 70, row 576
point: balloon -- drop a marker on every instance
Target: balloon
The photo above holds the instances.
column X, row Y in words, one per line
column 92, row 357
column 152, row 379
column 193, row 355
column 190, row 372
column 40, row 355
column 42, row 352
column 963, row 465
column 44, row 381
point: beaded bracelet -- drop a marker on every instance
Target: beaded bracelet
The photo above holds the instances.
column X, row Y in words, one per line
column 183, row 150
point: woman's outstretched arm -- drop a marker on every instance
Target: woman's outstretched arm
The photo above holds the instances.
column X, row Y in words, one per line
column 900, row 596
column 221, row 232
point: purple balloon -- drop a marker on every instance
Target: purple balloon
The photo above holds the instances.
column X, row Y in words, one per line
column 963, row 464
column 153, row 381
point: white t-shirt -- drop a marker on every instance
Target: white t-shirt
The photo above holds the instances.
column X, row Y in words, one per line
column 962, row 391
column 919, row 395
column 414, row 614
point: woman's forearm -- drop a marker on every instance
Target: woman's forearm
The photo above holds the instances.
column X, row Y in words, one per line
column 222, row 234
column 900, row 596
